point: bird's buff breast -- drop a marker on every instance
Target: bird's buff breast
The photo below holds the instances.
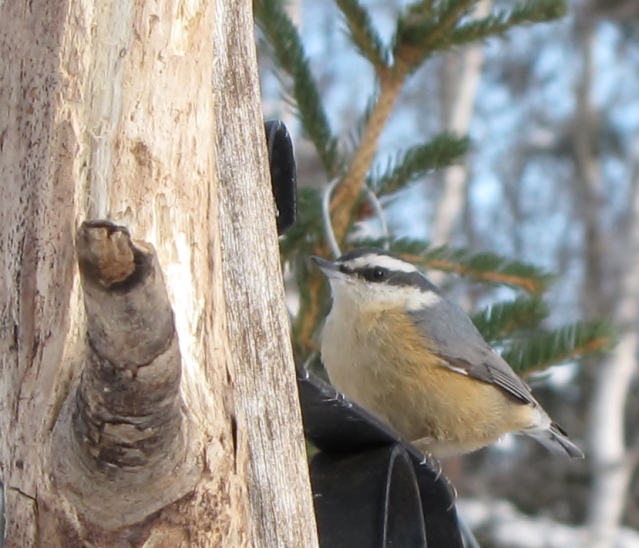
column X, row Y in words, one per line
column 349, row 355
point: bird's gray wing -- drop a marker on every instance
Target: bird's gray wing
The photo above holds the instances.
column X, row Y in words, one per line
column 463, row 349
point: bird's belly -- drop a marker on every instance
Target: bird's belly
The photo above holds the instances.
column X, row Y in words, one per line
column 455, row 414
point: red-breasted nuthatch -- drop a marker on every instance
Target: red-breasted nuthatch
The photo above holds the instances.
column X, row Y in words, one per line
column 396, row 346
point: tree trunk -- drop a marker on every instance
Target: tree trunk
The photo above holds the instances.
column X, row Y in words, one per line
column 148, row 397
column 612, row 463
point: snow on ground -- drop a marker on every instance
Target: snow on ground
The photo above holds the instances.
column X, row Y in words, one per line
column 509, row 527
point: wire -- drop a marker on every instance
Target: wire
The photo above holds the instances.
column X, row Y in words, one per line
column 328, row 225
column 377, row 206
column 326, row 216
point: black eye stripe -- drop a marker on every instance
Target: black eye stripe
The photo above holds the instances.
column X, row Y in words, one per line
column 397, row 278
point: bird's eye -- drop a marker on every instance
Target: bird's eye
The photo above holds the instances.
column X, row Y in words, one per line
column 378, row 274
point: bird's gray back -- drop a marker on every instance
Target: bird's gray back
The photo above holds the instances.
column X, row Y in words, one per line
column 458, row 343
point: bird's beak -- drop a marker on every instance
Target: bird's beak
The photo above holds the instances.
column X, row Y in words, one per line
column 331, row 270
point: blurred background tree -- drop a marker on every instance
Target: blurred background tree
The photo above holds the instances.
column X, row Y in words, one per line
column 548, row 178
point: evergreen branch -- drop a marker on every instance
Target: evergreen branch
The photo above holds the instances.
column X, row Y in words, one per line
column 353, row 138
column 404, row 247
column 496, row 24
column 391, row 81
column 348, row 191
column 501, row 320
column 288, row 53
column 363, row 34
column 424, row 28
column 486, row 267
column 409, row 165
column 545, row 348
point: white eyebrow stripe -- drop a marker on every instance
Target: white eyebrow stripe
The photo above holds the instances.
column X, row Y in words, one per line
column 391, row 263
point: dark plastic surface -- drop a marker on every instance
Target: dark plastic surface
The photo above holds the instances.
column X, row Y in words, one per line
column 283, row 173
column 367, row 499
column 343, row 431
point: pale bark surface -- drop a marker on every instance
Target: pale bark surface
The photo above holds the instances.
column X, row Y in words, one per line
column 108, row 112
column 612, row 463
column 266, row 392
column 613, row 457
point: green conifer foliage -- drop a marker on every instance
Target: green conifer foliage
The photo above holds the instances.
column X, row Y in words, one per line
column 423, row 29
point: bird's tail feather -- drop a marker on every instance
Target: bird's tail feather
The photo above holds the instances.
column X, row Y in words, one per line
column 556, row 441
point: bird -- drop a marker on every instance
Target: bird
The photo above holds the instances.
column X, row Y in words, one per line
column 395, row 345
